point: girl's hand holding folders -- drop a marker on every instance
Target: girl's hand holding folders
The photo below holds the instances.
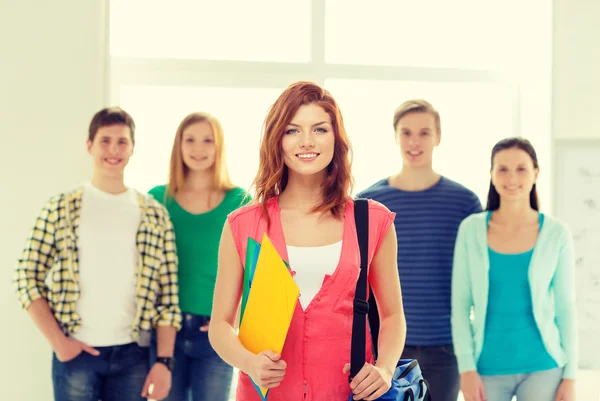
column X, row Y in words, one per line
column 266, row 369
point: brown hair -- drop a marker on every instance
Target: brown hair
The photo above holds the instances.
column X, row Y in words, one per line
column 111, row 116
column 272, row 176
column 178, row 170
column 417, row 106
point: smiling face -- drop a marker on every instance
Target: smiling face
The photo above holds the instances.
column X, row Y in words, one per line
column 111, row 149
column 513, row 174
column 417, row 136
column 308, row 142
column 198, row 146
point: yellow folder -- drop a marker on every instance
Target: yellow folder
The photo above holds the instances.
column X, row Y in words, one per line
column 271, row 303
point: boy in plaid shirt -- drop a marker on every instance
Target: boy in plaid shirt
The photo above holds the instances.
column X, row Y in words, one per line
column 98, row 273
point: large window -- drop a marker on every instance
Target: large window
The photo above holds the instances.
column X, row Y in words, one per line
column 232, row 58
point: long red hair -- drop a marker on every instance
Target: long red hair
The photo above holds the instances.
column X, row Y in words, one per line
column 272, row 176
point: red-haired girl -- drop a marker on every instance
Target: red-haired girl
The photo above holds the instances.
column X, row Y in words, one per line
column 303, row 204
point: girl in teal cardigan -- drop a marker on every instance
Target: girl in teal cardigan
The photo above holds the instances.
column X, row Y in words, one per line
column 513, row 297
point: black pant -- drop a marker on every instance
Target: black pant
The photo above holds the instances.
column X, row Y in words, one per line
column 439, row 368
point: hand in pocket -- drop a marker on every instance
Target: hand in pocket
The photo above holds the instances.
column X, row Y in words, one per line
column 70, row 349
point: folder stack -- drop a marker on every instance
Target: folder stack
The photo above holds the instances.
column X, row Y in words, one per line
column 269, row 297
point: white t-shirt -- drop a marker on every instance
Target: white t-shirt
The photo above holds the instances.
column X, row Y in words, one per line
column 311, row 265
column 108, row 258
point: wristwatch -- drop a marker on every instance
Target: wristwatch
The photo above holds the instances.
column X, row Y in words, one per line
column 169, row 362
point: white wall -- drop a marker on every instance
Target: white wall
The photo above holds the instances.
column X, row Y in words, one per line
column 52, row 81
column 576, row 69
column 576, row 99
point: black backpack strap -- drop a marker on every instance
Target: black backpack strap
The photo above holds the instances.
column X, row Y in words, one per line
column 361, row 306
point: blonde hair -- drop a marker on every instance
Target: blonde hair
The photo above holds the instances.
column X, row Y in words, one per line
column 178, row 169
column 417, row 106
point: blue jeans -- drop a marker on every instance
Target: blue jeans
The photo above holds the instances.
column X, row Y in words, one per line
column 537, row 386
column 200, row 374
column 117, row 374
column 439, row 367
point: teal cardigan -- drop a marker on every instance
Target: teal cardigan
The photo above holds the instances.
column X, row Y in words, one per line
column 551, row 277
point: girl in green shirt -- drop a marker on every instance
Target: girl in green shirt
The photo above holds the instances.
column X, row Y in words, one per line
column 199, row 196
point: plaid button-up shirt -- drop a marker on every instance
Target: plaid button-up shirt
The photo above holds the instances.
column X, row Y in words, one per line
column 49, row 266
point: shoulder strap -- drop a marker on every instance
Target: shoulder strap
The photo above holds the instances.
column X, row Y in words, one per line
column 361, row 306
